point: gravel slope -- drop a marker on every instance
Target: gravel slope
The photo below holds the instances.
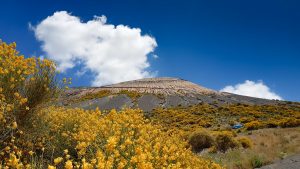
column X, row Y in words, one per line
column 292, row 162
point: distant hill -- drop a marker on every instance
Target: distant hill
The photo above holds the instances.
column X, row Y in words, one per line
column 150, row 93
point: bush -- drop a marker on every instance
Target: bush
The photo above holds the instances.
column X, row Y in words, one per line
column 132, row 94
column 200, row 140
column 42, row 85
column 254, row 125
column 90, row 96
column 246, row 119
column 24, row 83
column 245, row 142
column 289, row 122
column 272, row 123
column 117, row 139
column 224, row 140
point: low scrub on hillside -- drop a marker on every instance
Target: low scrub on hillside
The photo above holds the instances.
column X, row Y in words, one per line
column 189, row 119
column 134, row 95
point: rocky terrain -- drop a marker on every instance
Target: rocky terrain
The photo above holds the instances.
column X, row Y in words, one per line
column 292, row 162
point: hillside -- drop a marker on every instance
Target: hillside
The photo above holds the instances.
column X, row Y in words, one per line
column 193, row 111
column 151, row 93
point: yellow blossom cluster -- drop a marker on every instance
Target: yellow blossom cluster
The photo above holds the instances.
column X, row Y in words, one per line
column 20, row 81
column 113, row 140
column 17, row 75
column 14, row 70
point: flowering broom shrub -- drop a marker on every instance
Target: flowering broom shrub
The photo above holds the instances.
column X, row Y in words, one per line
column 115, row 140
column 24, row 83
column 76, row 138
column 36, row 135
column 254, row 125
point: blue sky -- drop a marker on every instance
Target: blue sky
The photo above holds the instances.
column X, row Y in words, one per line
column 211, row 43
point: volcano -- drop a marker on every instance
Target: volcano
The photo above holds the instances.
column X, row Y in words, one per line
column 150, row 93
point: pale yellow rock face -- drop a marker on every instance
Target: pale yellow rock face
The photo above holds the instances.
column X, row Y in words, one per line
column 163, row 85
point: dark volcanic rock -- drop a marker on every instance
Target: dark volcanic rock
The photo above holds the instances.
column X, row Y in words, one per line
column 148, row 102
column 119, row 102
column 106, row 103
column 191, row 100
column 174, row 100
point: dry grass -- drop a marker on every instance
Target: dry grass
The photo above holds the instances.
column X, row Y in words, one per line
column 276, row 143
column 269, row 145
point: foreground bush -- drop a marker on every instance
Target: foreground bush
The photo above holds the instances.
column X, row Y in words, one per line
column 24, row 84
column 122, row 139
column 90, row 139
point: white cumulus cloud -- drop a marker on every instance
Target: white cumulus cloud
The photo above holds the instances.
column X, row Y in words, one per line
column 113, row 53
column 253, row 89
column 155, row 56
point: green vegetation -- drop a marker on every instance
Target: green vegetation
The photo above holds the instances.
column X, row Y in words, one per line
column 134, row 95
column 224, row 141
column 200, row 140
column 90, row 96
column 104, row 93
column 217, row 141
column 245, row 142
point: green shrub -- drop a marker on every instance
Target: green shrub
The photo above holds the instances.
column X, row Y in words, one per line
column 132, row 94
column 224, row 141
column 245, row 142
column 200, row 140
column 99, row 94
column 289, row 122
column 272, row 123
column 257, row 161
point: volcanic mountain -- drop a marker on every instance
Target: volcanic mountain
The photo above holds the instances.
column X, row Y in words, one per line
column 150, row 93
